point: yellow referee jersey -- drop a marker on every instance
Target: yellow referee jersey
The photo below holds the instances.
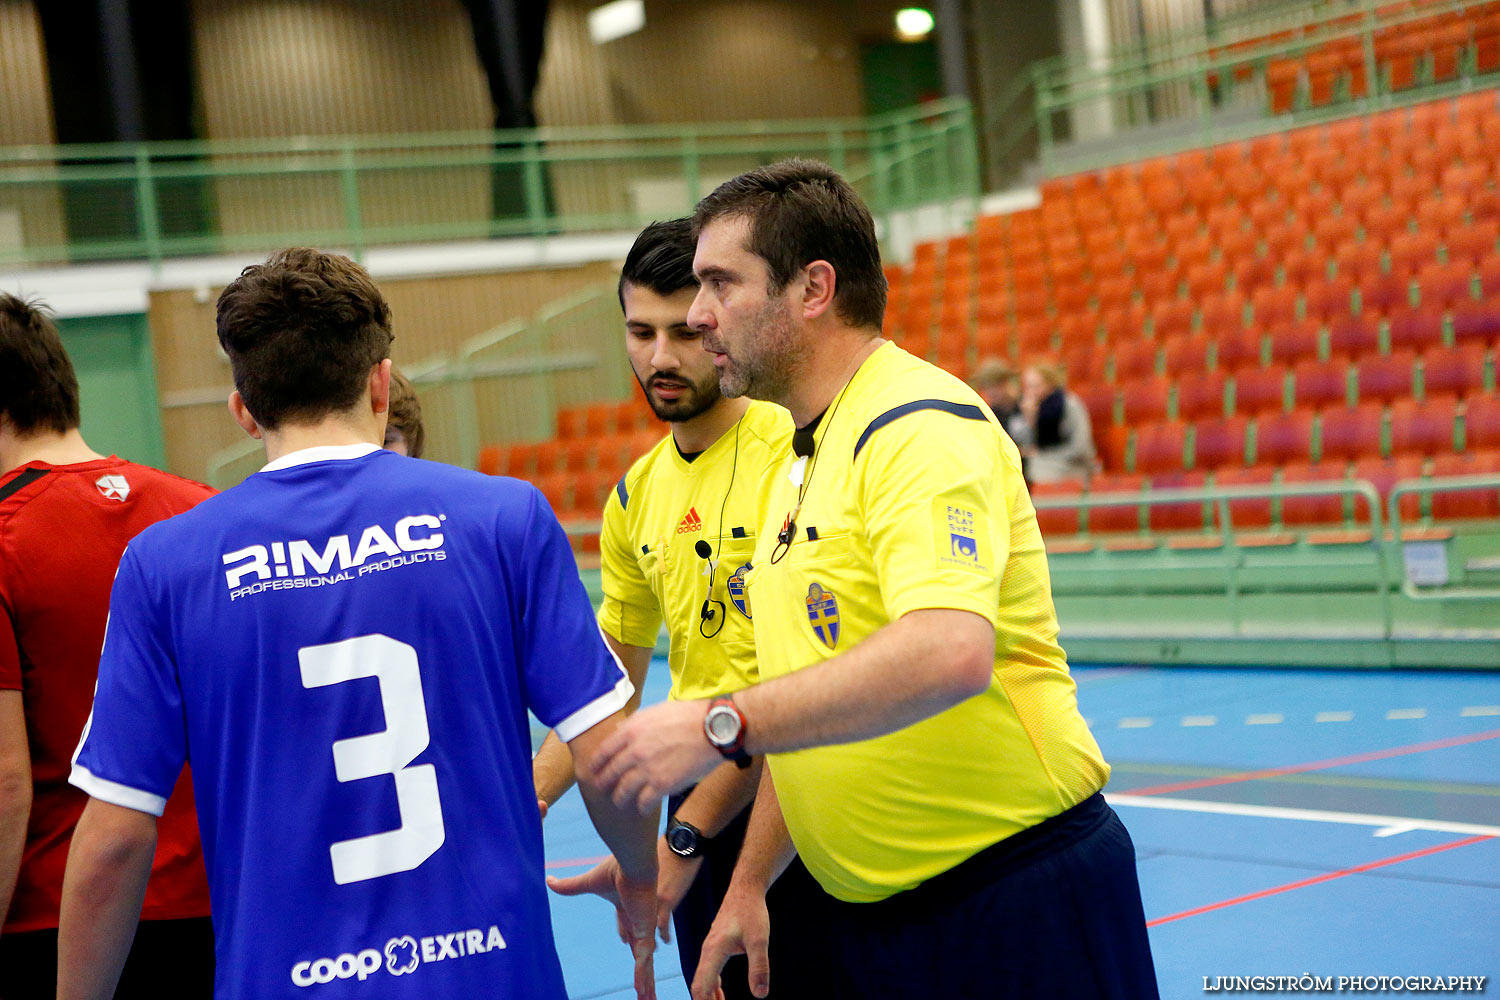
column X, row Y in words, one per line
column 653, row 521
column 915, row 500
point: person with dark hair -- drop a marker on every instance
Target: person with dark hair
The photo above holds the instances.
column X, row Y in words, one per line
column 925, row 753
column 404, row 432
column 676, row 542
column 66, row 513
column 346, row 645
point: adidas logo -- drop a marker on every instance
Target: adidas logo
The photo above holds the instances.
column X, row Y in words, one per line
column 690, row 522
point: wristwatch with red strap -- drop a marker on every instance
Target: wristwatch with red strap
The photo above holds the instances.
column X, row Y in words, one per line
column 724, row 725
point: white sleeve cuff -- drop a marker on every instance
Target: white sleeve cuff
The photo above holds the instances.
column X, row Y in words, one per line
column 596, row 711
column 117, row 794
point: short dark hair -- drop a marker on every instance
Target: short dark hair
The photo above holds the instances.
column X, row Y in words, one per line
column 801, row 211
column 406, row 414
column 661, row 259
column 38, row 387
column 302, row 332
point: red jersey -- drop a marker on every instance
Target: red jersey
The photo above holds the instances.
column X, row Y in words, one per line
column 62, row 533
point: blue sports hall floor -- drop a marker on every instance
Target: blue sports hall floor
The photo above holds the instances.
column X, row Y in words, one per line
column 1337, row 824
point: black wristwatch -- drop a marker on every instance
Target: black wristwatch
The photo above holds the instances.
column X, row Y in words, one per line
column 724, row 725
column 685, row 839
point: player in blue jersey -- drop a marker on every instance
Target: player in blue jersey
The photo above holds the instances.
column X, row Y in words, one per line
column 346, row 647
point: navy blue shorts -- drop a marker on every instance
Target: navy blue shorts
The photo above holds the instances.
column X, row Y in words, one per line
column 1052, row 912
column 168, row 957
column 799, row 921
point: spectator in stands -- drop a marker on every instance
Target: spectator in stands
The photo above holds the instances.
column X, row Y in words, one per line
column 66, row 513
column 404, row 433
column 1056, row 438
column 999, row 385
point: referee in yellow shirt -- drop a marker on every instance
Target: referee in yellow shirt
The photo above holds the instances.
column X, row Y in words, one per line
column 921, row 728
column 679, row 531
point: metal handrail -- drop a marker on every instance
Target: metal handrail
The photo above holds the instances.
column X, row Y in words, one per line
column 1405, row 487
column 350, row 211
column 1221, row 497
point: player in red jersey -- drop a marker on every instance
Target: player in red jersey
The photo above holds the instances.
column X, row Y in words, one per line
column 66, row 513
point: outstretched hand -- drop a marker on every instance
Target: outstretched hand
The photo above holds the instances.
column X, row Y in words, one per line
column 635, row 914
column 742, row 927
column 655, row 752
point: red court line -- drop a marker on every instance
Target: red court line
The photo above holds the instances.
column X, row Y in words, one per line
column 1327, row 877
column 1317, row 765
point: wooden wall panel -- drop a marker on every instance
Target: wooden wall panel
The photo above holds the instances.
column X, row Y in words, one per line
column 332, row 67
column 431, row 315
column 30, row 216
column 730, row 60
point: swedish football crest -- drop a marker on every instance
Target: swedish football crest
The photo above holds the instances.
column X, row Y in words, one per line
column 739, row 596
column 823, row 613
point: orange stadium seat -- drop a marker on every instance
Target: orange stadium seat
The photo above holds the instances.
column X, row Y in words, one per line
column 1418, row 328
column 1134, row 359
column 1085, row 364
column 1186, row 354
column 1320, row 383
column 1274, row 306
column 1350, row 434
column 1221, row 314
column 1062, row 520
column 570, row 422
column 1159, row 447
column 1387, row 292
column 1259, row 391
column 1219, row 443
column 1248, row 513
column 1424, row 428
column 1489, row 276
column 1387, row 378
column 1332, row 231
column 1354, row 336
column 1298, row 267
column 1331, row 297
column 1482, row 423
column 1293, row 342
column 1356, row 260
column 1320, row 509
column 1186, row 516
column 1121, row 518
column 579, row 454
column 1283, row 437
column 1383, row 475
column 1472, row 241
column 1145, row 399
column 1454, row 505
column 1241, row 350
column 1476, row 322
column 557, row 487
column 549, row 457
column 1200, row 395
column 1443, row 285
column 1410, row 252
column 1457, row 371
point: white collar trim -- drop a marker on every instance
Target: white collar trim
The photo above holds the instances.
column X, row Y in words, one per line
column 321, row 453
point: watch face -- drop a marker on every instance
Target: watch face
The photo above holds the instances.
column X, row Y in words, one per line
column 723, row 726
column 682, row 840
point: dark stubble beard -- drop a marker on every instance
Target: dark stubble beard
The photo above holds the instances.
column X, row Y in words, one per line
column 697, row 400
column 768, row 361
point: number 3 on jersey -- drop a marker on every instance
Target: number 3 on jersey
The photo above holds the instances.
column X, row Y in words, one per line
column 394, row 665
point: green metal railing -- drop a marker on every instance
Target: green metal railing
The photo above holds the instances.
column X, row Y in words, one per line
column 158, row 200
column 1230, row 552
column 505, row 384
column 1204, row 87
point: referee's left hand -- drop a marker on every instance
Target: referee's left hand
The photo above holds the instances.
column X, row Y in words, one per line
column 657, row 751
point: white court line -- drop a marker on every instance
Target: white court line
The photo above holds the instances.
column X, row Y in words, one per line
column 1200, row 720
column 1333, row 717
column 1475, row 711
column 1135, row 722
column 1385, row 825
column 1407, row 713
column 1264, row 719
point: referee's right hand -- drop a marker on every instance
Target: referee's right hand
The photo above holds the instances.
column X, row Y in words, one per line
column 742, row 927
